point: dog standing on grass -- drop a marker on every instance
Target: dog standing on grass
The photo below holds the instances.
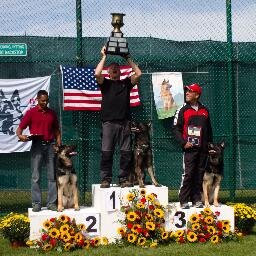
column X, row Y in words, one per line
column 213, row 174
column 142, row 156
column 66, row 178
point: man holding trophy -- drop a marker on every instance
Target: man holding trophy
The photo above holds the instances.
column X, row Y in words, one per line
column 115, row 107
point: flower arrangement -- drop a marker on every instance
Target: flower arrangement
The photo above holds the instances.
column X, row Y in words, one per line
column 203, row 227
column 144, row 220
column 245, row 217
column 15, row 227
column 63, row 234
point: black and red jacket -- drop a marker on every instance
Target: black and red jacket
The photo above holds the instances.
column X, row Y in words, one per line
column 186, row 116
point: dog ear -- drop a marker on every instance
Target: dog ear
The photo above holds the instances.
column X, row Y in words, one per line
column 222, row 144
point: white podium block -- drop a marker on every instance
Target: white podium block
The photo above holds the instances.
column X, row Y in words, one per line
column 110, row 199
column 178, row 217
column 87, row 216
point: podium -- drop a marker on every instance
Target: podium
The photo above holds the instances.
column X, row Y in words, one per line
column 102, row 218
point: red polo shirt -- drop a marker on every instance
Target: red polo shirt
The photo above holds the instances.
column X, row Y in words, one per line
column 40, row 122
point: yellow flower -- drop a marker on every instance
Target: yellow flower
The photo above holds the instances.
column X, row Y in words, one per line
column 54, row 233
column 149, row 217
column 104, row 240
column 164, row 235
column 215, row 239
column 47, row 224
column 64, row 228
column 179, row 233
column 153, row 245
column 130, row 196
column 225, row 222
column 121, row 231
column 135, row 227
column 47, row 247
column 150, row 197
column 131, row 216
column 140, row 205
column 81, row 226
column 194, row 218
column 65, row 237
column 143, row 192
column 131, row 238
column 207, row 211
column 159, row 213
column 78, row 237
column 141, row 241
column 211, row 229
column 192, row 237
column 97, row 241
column 208, row 220
column 29, row 243
column 67, row 247
column 86, row 244
column 195, row 226
column 226, row 228
column 156, row 203
column 64, row 218
column 150, row 225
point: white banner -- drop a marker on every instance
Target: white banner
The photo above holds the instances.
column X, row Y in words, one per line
column 168, row 93
column 16, row 97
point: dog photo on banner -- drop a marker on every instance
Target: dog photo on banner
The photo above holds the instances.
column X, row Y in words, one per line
column 168, row 93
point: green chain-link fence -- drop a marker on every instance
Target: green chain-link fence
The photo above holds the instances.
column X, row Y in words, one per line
column 191, row 37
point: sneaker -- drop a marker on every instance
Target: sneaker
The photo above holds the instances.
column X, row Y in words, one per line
column 199, row 205
column 184, row 206
column 36, row 208
column 105, row 184
column 52, row 207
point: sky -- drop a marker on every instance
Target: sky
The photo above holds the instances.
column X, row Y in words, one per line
column 179, row 20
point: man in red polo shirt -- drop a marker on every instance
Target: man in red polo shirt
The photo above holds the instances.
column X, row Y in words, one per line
column 42, row 122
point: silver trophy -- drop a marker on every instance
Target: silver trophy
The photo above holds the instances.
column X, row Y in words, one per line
column 117, row 44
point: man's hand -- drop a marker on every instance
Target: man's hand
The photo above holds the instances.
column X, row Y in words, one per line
column 188, row 145
column 103, row 51
column 23, row 138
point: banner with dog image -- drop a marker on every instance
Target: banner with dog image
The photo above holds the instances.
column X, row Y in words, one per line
column 16, row 97
column 168, row 93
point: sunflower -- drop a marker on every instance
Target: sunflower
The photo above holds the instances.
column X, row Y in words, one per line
column 64, row 218
column 64, row 228
column 179, row 233
column 81, row 226
column 159, row 213
column 78, row 237
column 156, row 203
column 153, row 245
column 140, row 205
column 131, row 238
column 135, row 228
column 104, row 240
column 225, row 222
column 141, row 241
column 207, row 211
column 195, row 226
column 149, row 217
column 47, row 247
column 97, row 241
column 211, row 229
column 143, row 192
column 54, row 233
column 65, row 237
column 150, row 197
column 86, row 244
column 121, row 231
column 67, row 247
column 208, row 220
column 192, row 237
column 47, row 224
column 194, row 218
column 215, row 239
column 164, row 235
column 131, row 216
column 150, row 225
column 226, row 228
column 130, row 196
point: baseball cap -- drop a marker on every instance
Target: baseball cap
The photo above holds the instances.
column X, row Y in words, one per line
column 194, row 88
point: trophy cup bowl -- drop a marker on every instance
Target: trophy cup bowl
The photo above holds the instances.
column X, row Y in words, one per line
column 116, row 44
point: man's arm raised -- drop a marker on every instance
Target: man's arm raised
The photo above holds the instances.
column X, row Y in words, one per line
column 136, row 77
column 99, row 77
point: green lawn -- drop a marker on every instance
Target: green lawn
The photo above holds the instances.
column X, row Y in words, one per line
column 246, row 247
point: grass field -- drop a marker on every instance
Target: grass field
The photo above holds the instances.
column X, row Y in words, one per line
column 246, row 247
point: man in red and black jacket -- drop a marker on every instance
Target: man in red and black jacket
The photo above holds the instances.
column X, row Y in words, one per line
column 192, row 129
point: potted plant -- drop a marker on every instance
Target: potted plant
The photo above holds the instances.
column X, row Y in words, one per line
column 15, row 227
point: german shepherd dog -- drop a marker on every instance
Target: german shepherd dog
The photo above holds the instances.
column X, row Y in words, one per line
column 213, row 174
column 142, row 154
column 66, row 178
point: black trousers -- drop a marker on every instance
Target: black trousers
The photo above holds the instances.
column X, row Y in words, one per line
column 194, row 163
column 115, row 133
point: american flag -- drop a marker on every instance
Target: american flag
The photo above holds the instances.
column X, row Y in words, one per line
column 81, row 91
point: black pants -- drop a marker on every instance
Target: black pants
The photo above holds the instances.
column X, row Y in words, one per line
column 194, row 163
column 113, row 133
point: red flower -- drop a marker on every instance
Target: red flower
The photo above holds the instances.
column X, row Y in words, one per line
column 92, row 242
column 202, row 240
column 219, row 225
column 205, row 227
column 219, row 233
column 81, row 242
column 140, row 230
column 52, row 219
column 143, row 200
column 53, row 242
column 129, row 225
column 151, row 207
column 182, row 240
column 207, row 236
column 217, row 213
column 44, row 237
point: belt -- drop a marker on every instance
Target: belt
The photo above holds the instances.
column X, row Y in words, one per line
column 46, row 142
